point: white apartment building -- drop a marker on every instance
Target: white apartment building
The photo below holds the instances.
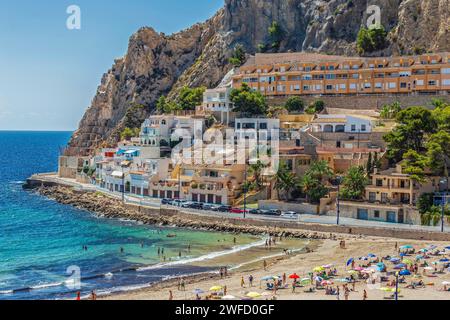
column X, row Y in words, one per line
column 342, row 124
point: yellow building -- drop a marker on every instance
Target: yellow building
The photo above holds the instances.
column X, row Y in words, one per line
column 286, row 74
column 394, row 187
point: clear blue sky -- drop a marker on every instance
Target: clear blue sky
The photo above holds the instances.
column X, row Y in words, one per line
column 49, row 74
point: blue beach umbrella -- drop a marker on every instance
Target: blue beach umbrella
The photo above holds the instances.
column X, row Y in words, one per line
column 406, row 247
column 400, row 266
column 444, row 260
column 448, row 248
column 349, row 262
column 402, row 255
column 394, row 260
column 371, row 255
column 405, row 273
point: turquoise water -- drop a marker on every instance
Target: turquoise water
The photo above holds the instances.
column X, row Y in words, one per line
column 40, row 239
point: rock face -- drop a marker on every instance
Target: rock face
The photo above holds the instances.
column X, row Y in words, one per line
column 156, row 64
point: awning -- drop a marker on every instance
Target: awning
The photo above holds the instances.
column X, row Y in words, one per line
column 117, row 174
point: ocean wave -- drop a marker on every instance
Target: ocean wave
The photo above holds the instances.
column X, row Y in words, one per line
column 208, row 256
column 6, row 292
column 46, row 285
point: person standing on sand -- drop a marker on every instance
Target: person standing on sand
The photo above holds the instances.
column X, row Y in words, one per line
column 170, row 295
column 225, row 290
column 250, row 280
column 265, row 265
column 78, row 298
column 242, row 282
column 284, row 278
column 346, row 294
column 365, row 295
column 93, row 295
column 221, row 273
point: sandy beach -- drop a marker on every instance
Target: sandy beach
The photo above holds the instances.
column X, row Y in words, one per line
column 324, row 252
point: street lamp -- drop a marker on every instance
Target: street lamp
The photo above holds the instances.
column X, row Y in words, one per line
column 337, row 182
column 397, row 274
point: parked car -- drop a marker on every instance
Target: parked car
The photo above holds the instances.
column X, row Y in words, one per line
column 289, row 214
column 274, row 213
column 264, row 212
column 196, row 205
column 210, row 207
column 186, row 204
column 166, row 201
column 224, row 208
column 255, row 211
column 237, row 210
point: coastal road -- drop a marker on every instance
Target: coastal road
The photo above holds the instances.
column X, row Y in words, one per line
column 301, row 219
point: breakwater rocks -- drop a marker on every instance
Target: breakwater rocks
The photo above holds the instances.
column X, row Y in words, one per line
column 105, row 206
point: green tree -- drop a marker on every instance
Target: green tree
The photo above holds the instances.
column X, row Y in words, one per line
column 313, row 181
column 414, row 164
column 371, row 39
column 391, row 111
column 128, row 133
column 354, row 184
column 276, row 34
column 438, row 152
column 425, row 202
column 257, row 170
column 247, row 101
column 189, row 98
column 316, row 107
column 414, row 124
column 238, row 57
column 285, row 181
column 295, row 104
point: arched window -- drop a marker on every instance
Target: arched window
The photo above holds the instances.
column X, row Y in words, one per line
column 163, row 122
column 340, row 128
column 328, row 128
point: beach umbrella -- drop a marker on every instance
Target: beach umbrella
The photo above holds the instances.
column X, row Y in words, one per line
column 447, row 248
column 319, row 269
column 371, row 255
column 445, row 283
column 405, row 273
column 419, row 257
column 216, row 288
column 268, row 278
column 198, row 291
column 349, row 261
column 408, row 246
column 328, row 266
column 408, row 262
column 395, row 260
column 253, row 295
column 318, row 279
column 363, row 258
column 432, row 247
column 294, row 276
column 229, row 297
column 423, row 250
column 402, row 255
column 381, row 265
column 305, row 281
column 444, row 260
column 400, row 266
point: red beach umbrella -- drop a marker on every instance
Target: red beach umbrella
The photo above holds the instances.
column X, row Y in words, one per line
column 294, row 276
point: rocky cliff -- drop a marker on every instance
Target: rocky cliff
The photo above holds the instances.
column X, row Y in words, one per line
column 157, row 64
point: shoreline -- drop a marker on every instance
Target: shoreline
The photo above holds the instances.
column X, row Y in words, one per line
column 326, row 252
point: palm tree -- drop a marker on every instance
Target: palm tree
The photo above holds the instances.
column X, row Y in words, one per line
column 320, row 170
column 257, row 171
column 285, row 181
column 308, row 184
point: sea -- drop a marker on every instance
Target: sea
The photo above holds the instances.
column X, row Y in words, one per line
column 41, row 241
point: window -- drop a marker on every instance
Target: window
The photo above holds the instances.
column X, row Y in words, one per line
column 378, row 85
column 263, row 126
column 329, row 87
column 446, row 71
column 343, row 86
column 376, row 214
column 305, row 88
column 363, row 127
column 379, row 183
column 353, row 127
column 372, row 197
column 432, row 82
column 353, row 86
column 392, row 85
column 318, row 87
column 403, row 85
column 446, row 82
